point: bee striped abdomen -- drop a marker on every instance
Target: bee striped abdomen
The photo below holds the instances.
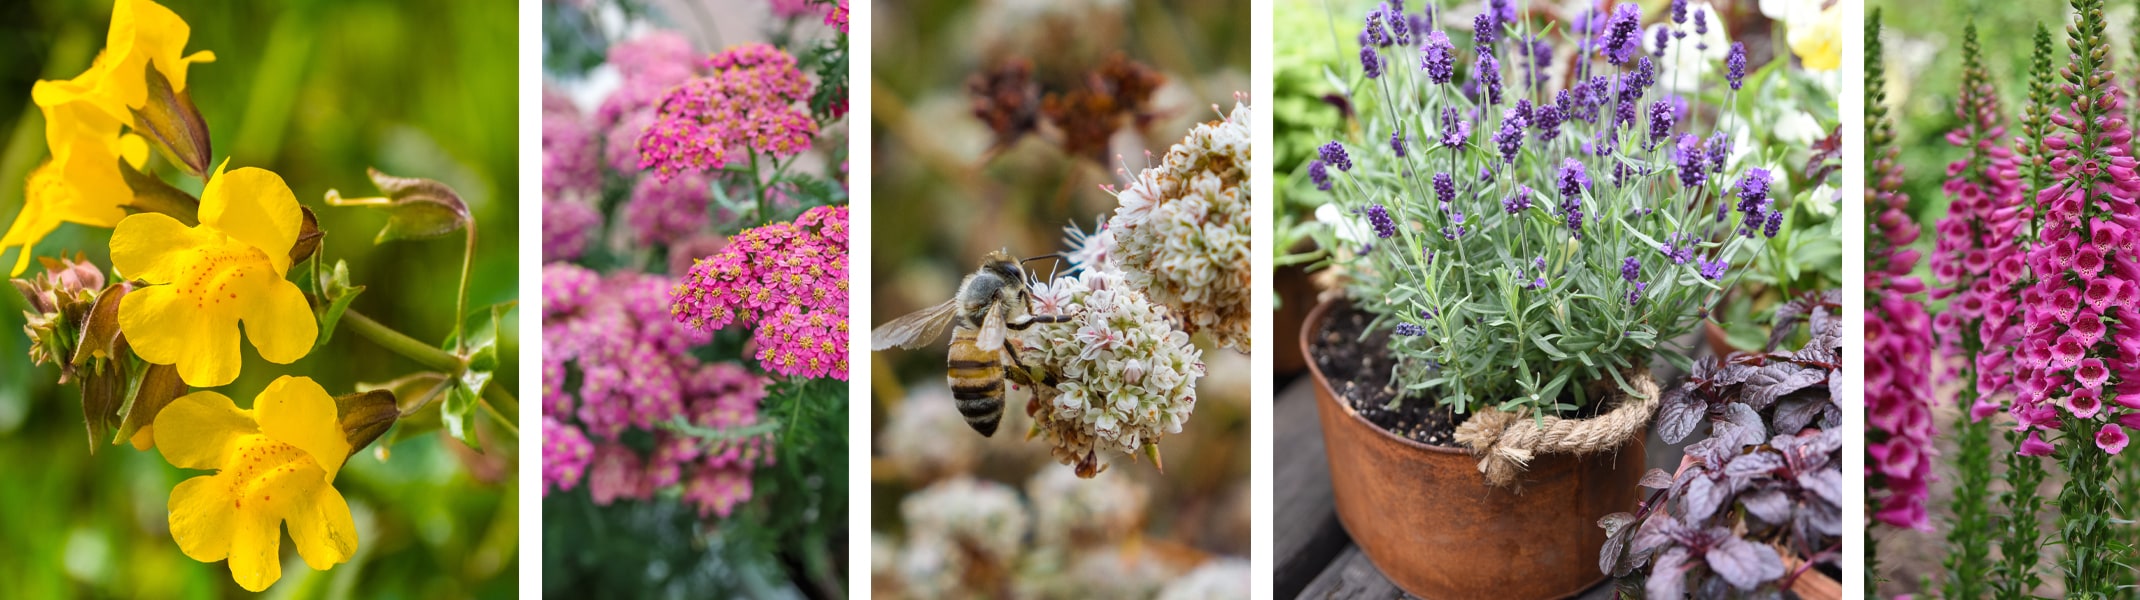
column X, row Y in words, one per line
column 976, row 378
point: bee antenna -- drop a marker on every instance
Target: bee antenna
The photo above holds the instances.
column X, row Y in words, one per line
column 1051, row 273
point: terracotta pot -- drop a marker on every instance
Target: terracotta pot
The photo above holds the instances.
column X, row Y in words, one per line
column 1296, row 296
column 1426, row 518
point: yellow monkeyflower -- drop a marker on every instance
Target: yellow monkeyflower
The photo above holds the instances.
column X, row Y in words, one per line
column 83, row 116
column 81, row 184
column 207, row 279
column 143, row 34
column 274, row 463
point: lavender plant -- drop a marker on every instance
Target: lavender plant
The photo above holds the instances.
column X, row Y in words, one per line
column 1568, row 240
column 1765, row 484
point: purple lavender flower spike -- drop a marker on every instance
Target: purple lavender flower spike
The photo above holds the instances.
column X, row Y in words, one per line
column 1735, row 65
column 1455, row 128
column 1519, row 202
column 1510, row 138
column 1370, row 62
column 1334, row 154
column 1620, row 42
column 1379, row 217
column 1661, row 121
column 1631, row 269
column 1444, row 189
column 1687, row 155
column 1410, row 330
column 1485, row 30
column 1374, row 32
column 1713, row 270
column 1439, row 58
column 1319, row 173
column 1488, row 77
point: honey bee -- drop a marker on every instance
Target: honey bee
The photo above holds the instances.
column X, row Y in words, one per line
column 993, row 300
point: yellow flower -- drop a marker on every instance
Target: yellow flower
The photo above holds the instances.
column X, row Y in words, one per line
column 83, row 116
column 143, row 34
column 273, row 463
column 81, row 184
column 207, row 279
column 1816, row 34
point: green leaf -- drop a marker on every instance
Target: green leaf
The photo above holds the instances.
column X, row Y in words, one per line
column 458, row 413
column 1546, row 345
column 415, row 208
column 338, row 294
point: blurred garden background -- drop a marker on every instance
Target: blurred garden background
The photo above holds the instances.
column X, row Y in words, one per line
column 961, row 170
column 316, row 91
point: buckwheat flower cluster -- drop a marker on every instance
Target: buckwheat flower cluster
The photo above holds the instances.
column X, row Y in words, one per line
column 665, row 212
column 1181, row 233
column 1218, row 578
column 750, row 99
column 1069, row 511
column 1127, row 374
column 788, row 282
column 984, row 523
column 924, row 441
column 1978, row 253
column 1898, row 337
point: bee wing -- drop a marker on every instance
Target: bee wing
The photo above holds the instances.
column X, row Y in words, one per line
column 915, row 329
column 992, row 329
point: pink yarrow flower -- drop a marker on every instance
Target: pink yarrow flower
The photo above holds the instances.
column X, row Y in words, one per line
column 749, row 100
column 787, row 281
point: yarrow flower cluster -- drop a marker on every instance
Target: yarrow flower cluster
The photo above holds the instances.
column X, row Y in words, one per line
column 1181, row 233
column 668, row 211
column 1128, row 376
column 788, row 281
column 750, row 100
column 567, row 228
column 634, row 370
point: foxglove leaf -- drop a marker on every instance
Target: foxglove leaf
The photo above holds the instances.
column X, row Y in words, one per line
column 415, row 208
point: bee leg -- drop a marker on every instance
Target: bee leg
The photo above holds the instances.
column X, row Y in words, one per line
column 1031, row 319
column 1023, row 374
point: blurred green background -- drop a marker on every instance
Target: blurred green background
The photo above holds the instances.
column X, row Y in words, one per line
column 315, row 91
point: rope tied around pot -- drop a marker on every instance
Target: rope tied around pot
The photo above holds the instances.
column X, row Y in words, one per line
column 1505, row 441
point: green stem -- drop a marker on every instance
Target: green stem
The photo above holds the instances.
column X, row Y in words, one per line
column 759, row 186
column 460, row 305
column 501, row 405
column 402, row 344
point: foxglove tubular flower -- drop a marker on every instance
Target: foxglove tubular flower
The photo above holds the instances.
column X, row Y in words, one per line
column 1898, row 338
column 1183, row 227
column 751, row 100
column 1438, row 59
column 1980, row 234
column 1128, row 376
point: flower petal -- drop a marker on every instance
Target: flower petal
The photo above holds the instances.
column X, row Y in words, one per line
column 255, row 550
column 30, row 226
column 279, row 321
column 198, row 430
column 325, row 533
column 202, row 518
column 298, row 412
column 152, row 247
column 164, row 328
column 256, row 207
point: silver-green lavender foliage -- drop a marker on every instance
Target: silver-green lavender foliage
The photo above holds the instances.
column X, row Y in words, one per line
column 1522, row 236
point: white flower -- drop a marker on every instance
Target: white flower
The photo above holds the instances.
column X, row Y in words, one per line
column 1069, row 511
column 1219, row 578
column 1797, row 128
column 1088, row 250
column 984, row 516
column 925, row 441
column 1127, row 375
column 1181, row 232
column 1350, row 228
column 1687, row 60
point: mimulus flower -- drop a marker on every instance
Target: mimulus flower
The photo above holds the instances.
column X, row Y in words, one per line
column 205, row 280
column 82, row 183
column 143, row 34
column 274, row 463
